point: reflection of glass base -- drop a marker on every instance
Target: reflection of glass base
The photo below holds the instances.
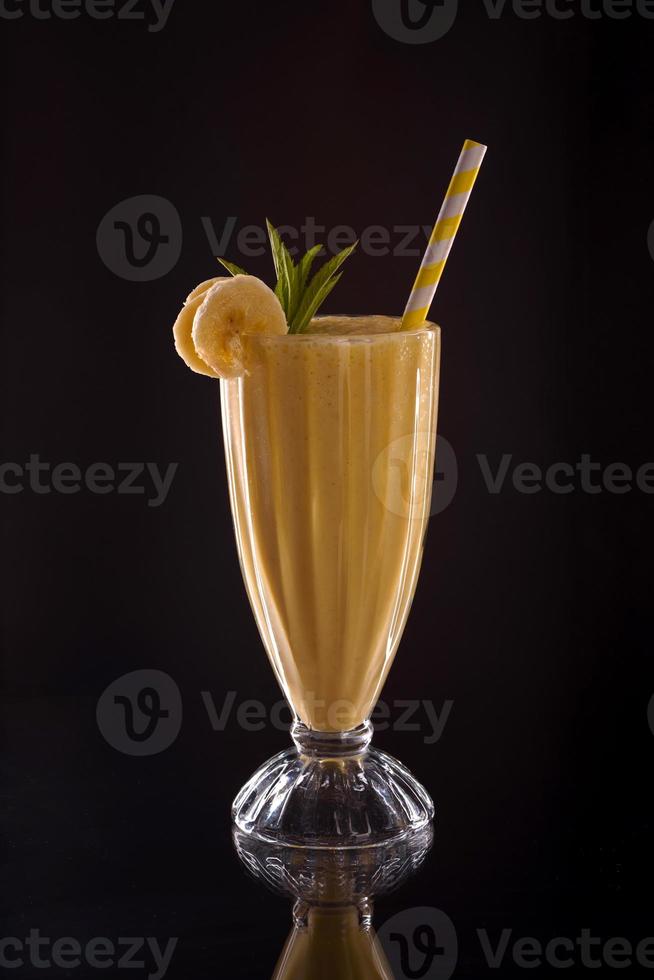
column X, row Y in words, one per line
column 332, row 791
column 334, row 876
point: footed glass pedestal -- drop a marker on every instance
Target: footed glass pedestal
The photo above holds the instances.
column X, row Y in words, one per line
column 332, row 790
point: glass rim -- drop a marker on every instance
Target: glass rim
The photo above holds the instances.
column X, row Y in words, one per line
column 428, row 329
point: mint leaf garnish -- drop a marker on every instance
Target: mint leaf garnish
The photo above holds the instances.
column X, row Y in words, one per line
column 285, row 290
column 318, row 289
column 304, row 268
column 231, row 267
column 299, row 296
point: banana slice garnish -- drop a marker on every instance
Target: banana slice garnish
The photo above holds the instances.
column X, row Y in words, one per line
column 216, row 314
column 183, row 328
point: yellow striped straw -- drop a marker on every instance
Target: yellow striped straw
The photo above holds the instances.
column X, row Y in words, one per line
column 443, row 234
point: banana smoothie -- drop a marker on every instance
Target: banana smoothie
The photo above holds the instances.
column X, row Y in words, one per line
column 329, row 442
column 329, row 430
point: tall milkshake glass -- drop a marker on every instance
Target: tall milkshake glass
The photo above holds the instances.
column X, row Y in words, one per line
column 329, row 442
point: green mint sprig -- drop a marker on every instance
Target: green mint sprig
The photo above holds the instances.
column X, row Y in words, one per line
column 300, row 296
column 233, row 268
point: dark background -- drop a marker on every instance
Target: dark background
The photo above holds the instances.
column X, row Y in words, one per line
column 533, row 611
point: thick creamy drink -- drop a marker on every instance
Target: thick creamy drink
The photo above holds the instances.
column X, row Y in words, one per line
column 329, row 440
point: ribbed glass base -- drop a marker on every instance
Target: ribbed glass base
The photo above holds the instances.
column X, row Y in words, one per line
column 332, row 790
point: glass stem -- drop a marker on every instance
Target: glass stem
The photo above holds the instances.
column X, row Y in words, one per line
column 331, row 745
